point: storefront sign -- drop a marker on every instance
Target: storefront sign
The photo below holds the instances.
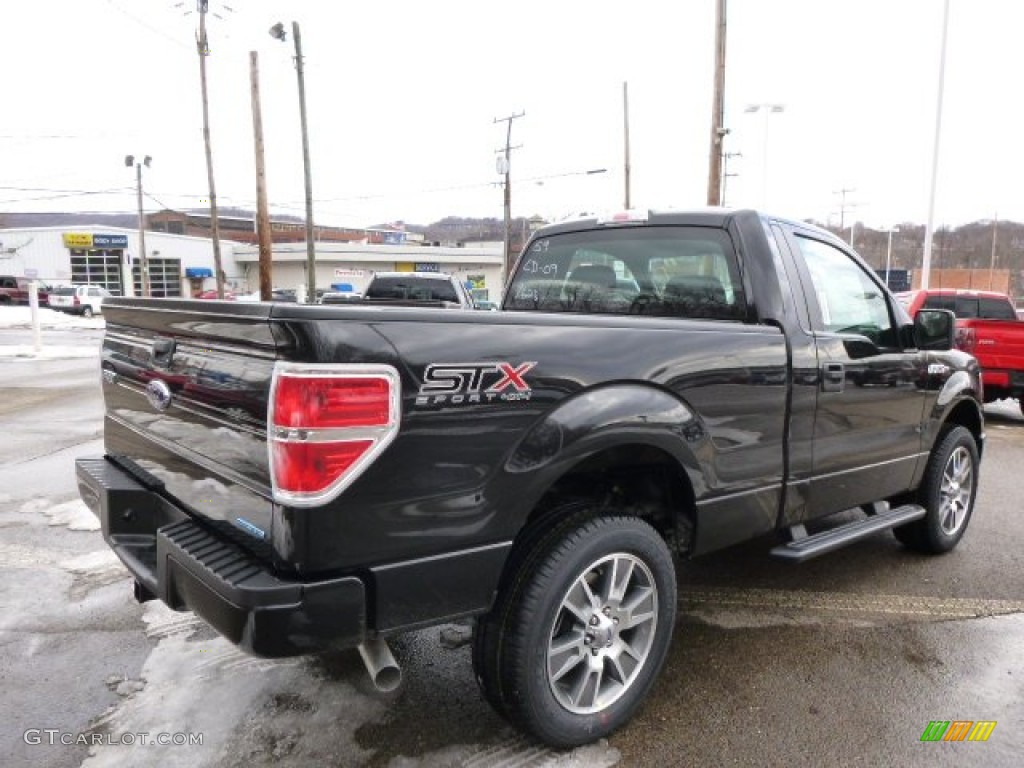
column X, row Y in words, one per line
column 78, row 239
column 110, row 241
column 348, row 273
column 89, row 240
column 428, row 266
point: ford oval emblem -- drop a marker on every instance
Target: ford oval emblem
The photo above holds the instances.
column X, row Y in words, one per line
column 158, row 394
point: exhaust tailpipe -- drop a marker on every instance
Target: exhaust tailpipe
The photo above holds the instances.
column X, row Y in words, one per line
column 380, row 664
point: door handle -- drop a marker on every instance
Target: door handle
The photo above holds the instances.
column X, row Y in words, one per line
column 833, row 376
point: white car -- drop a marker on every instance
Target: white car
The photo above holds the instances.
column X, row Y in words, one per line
column 84, row 300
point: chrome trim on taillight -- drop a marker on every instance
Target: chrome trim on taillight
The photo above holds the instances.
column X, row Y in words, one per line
column 381, row 436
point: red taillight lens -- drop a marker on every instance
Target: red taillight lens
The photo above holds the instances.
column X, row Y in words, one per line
column 332, row 402
column 327, row 424
column 312, row 467
column 965, row 340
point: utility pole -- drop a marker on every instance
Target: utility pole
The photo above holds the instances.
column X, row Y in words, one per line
column 843, row 205
column 506, row 167
column 278, row 33
column 625, row 135
column 203, row 46
column 262, row 214
column 310, row 241
column 992, row 260
column 718, row 132
column 143, row 259
column 726, row 157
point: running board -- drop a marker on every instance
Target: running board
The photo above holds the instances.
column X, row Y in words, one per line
column 805, row 546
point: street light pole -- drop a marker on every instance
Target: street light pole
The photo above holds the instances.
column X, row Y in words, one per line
column 768, row 110
column 888, row 256
column 926, row 265
column 277, row 32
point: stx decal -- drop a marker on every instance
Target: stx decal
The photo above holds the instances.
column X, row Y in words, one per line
column 463, row 383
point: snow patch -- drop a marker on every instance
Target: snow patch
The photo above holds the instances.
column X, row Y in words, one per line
column 21, row 317
column 47, row 351
column 250, row 711
column 518, row 751
column 73, row 514
column 100, row 560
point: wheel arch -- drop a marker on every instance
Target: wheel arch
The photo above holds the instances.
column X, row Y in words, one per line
column 631, row 448
column 965, row 412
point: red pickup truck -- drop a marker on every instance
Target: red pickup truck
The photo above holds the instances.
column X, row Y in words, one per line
column 986, row 327
column 14, row 290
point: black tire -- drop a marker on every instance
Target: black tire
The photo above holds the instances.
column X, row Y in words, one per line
column 571, row 675
column 87, row 311
column 952, row 465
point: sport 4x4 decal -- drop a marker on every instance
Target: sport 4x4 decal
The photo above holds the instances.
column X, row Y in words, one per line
column 457, row 383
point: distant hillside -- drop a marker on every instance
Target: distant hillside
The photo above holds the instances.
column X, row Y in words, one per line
column 18, row 220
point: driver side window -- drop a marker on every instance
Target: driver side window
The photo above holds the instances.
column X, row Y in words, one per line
column 848, row 299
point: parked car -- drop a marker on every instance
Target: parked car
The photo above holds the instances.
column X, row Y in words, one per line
column 212, row 294
column 418, row 289
column 339, row 297
column 987, row 326
column 84, row 300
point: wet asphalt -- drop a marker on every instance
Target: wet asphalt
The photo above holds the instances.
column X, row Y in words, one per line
column 841, row 661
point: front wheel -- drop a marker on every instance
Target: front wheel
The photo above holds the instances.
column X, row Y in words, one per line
column 584, row 630
column 947, row 492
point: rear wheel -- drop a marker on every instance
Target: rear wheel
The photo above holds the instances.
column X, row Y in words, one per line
column 87, row 311
column 579, row 636
column 947, row 492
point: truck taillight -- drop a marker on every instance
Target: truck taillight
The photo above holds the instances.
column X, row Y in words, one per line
column 966, row 340
column 326, row 424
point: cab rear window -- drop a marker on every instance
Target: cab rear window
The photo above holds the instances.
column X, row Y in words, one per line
column 983, row 307
column 638, row 270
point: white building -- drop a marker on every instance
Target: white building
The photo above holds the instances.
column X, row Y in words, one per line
column 178, row 265
column 181, row 265
column 353, row 264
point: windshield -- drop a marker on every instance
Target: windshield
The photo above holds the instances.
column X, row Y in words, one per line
column 665, row 271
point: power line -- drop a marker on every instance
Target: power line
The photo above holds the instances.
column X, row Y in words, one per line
column 152, row 29
column 58, row 197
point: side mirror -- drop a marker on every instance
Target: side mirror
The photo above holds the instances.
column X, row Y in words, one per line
column 934, row 329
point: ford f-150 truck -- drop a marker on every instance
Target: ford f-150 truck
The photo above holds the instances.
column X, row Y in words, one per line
column 658, row 384
column 986, row 327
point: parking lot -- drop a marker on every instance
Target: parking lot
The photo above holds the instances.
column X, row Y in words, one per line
column 842, row 661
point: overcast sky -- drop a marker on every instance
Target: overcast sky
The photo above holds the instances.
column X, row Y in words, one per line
column 402, row 98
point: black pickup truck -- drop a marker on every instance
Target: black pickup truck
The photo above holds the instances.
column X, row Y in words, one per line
column 656, row 385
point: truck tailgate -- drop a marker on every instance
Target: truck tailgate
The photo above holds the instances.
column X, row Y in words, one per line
column 999, row 344
column 185, row 385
